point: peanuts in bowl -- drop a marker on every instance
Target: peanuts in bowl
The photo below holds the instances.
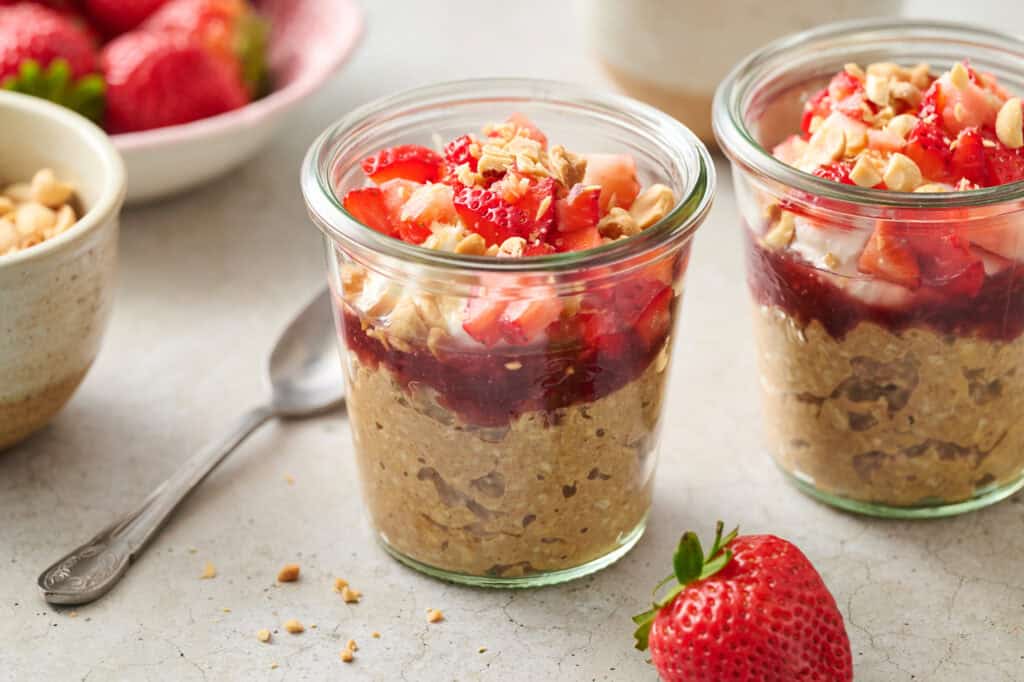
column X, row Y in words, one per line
column 32, row 212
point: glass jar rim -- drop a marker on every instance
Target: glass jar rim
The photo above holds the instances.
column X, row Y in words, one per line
column 338, row 224
column 740, row 145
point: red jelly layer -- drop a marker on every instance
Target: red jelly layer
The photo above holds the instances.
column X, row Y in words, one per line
column 781, row 279
column 481, row 389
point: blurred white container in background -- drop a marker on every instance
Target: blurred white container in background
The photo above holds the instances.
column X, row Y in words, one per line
column 673, row 53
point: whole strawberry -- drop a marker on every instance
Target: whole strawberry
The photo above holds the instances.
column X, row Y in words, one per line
column 156, row 80
column 228, row 28
column 32, row 32
column 752, row 608
column 115, row 17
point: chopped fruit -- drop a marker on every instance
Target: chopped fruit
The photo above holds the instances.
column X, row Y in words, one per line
column 426, row 205
column 524, row 321
column 481, row 320
column 928, row 146
column 790, row 150
column 368, row 207
column 537, row 248
column 397, row 194
column 1006, row 165
column 838, row 171
column 538, row 202
column 655, row 320
column 616, row 175
column 32, row 32
column 817, row 107
column 407, row 161
column 145, row 74
column 114, row 17
column 486, row 213
column 580, row 209
column 948, row 264
column 888, row 256
column 969, row 157
column 753, row 603
column 579, row 240
column 457, row 152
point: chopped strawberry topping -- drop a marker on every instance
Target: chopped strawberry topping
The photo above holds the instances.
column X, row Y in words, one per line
column 579, row 209
column 948, row 264
column 888, row 256
column 838, row 171
column 817, row 106
column 539, row 205
column 579, row 240
column 969, row 159
column 480, row 319
column 615, row 174
column 928, row 147
column 1006, row 165
column 457, row 153
column 486, row 213
column 655, row 320
column 523, row 321
column 407, row 161
column 368, row 207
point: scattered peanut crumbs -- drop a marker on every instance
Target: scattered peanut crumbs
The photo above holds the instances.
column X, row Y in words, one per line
column 340, row 584
column 352, row 646
column 375, row 634
column 288, row 574
column 293, row 626
column 263, row 635
column 434, row 616
column 350, row 596
column 226, row 610
column 347, row 656
column 209, row 571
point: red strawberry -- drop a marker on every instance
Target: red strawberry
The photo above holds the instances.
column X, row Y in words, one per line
column 655, row 320
column 838, row 171
column 115, row 17
column 539, row 204
column 819, row 105
column 579, row 209
column 928, row 147
column 156, row 80
column 947, row 263
column 230, row 29
column 31, row 31
column 406, row 161
column 481, row 319
column 524, row 320
column 1005, row 165
column 752, row 609
column 888, row 255
column 970, row 159
column 486, row 213
column 368, row 206
column 457, row 153
column 579, row 240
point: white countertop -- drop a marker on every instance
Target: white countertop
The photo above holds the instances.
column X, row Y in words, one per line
column 206, row 282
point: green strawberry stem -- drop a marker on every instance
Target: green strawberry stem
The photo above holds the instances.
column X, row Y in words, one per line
column 251, row 40
column 689, row 565
column 86, row 95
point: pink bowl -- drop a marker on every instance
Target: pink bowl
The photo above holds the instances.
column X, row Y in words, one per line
column 310, row 40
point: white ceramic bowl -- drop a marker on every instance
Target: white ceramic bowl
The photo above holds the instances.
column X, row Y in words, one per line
column 310, row 40
column 55, row 297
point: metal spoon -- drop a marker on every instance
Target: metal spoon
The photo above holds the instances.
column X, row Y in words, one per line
column 306, row 380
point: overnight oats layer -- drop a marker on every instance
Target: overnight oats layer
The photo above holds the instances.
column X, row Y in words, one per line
column 890, row 344
column 506, row 428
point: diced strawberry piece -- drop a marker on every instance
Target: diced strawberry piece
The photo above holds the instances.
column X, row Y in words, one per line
column 397, row 194
column 838, row 171
column 539, row 248
column 481, row 320
column 367, row 206
column 527, row 128
column 579, row 240
column 484, row 212
column 579, row 209
column 655, row 321
column 1005, row 165
column 457, row 153
column 616, row 175
column 602, row 331
column 948, row 264
column 928, row 147
column 969, row 159
column 818, row 105
column 407, row 161
column 539, row 204
column 523, row 321
column 843, row 85
column 633, row 296
column 933, row 101
column 888, row 256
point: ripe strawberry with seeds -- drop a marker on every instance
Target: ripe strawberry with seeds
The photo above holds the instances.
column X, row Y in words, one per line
column 486, row 213
column 114, row 17
column 752, row 609
column 229, row 29
column 406, row 161
column 888, row 255
column 457, row 152
column 156, row 80
column 368, row 206
column 579, row 209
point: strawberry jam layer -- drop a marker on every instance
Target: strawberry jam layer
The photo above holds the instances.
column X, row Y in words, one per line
column 781, row 279
column 491, row 388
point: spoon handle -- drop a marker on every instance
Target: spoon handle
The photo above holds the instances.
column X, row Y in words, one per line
column 89, row 571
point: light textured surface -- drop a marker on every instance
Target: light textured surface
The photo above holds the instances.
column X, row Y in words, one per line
column 206, row 282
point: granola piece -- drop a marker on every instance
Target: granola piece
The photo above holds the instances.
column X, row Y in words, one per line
column 289, row 573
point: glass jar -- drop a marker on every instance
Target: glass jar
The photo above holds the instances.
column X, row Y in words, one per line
column 878, row 398
column 507, row 465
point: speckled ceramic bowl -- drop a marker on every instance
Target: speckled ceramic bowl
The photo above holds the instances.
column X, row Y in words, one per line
column 55, row 297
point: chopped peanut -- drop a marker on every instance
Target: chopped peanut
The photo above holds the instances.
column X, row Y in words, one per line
column 47, row 190
column 293, row 626
column 340, row 584
column 288, row 574
column 780, row 236
column 346, row 655
column 1009, row 124
column 902, row 174
column 651, row 205
column 959, row 77
column 350, row 596
column 263, row 635
column 209, row 571
column 864, row 173
column 434, row 616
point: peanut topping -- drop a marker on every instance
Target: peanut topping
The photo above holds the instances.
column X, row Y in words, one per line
column 209, row 571
column 47, row 190
column 346, row 655
column 902, row 124
column 263, row 635
column 1009, row 124
column 471, row 245
column 288, row 574
column 617, row 223
column 781, row 234
column 877, row 89
column 350, row 596
column 864, row 173
column 826, row 145
column 513, row 247
column 434, row 616
column 902, row 174
column 293, row 626
column 651, row 205
column 959, row 77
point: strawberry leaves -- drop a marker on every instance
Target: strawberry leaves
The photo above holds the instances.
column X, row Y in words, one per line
column 690, row 565
column 84, row 95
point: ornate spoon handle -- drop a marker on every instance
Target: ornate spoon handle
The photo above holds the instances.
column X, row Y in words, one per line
column 91, row 570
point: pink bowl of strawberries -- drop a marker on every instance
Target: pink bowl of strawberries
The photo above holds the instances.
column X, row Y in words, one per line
column 188, row 89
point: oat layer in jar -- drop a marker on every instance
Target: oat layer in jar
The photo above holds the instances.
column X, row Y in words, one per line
column 878, row 168
column 507, row 263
